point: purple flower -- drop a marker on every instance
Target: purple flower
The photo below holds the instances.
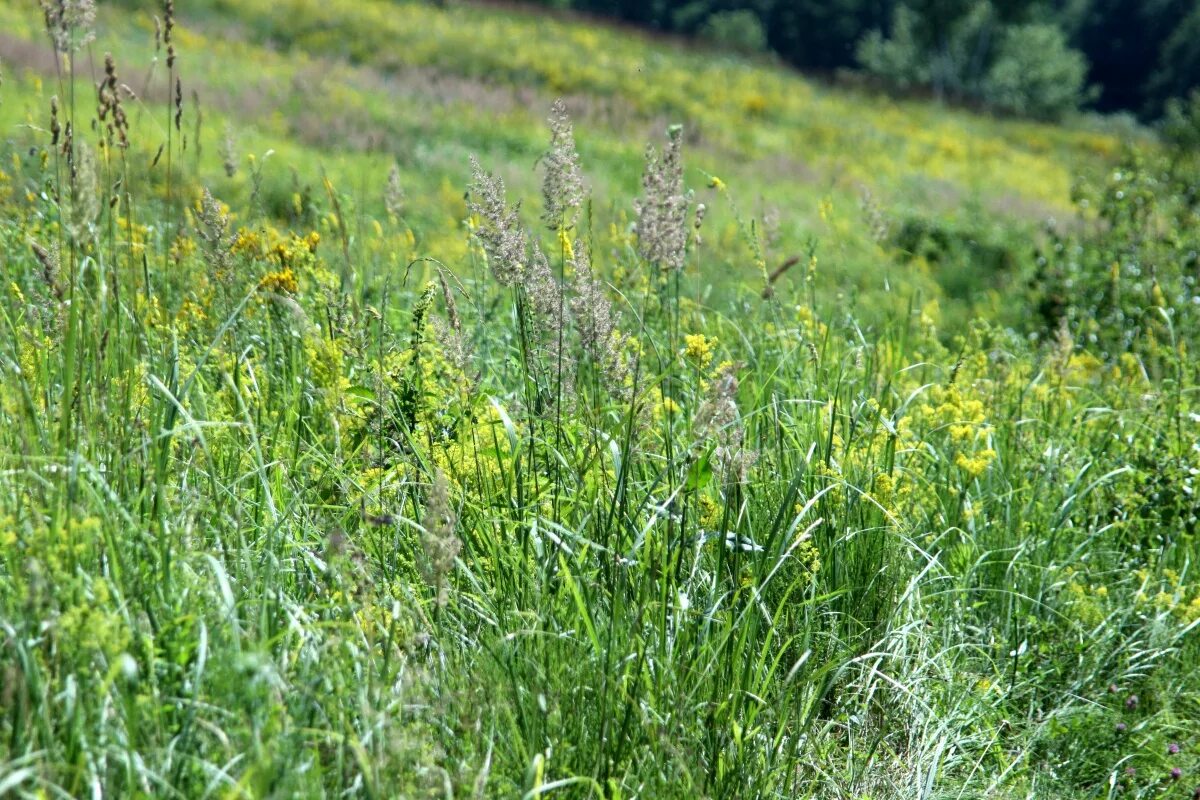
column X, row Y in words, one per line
column 1196, row 793
column 1131, row 702
column 1130, row 771
column 1176, row 773
column 1121, row 727
column 1172, row 748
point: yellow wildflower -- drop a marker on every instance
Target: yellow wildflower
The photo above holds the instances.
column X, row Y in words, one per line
column 699, row 348
column 282, row 281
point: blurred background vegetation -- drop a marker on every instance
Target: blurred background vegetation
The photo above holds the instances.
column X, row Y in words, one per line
column 1025, row 56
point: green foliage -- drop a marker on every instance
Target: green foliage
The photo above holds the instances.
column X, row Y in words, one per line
column 740, row 30
column 1129, row 281
column 1027, row 69
column 1035, row 73
column 1181, row 124
column 899, row 58
column 309, row 492
column 939, row 43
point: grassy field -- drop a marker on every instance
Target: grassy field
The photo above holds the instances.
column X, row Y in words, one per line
column 837, row 446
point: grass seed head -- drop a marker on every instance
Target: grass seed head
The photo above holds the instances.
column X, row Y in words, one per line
column 596, row 322
column 499, row 229
column 393, row 195
column 439, row 542
column 662, row 209
column 562, row 184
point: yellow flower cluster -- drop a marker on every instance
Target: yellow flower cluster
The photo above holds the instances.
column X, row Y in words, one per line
column 963, row 418
column 699, row 349
column 709, row 511
column 280, row 281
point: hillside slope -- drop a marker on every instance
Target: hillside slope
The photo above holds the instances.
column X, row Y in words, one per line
column 713, row 434
column 355, row 87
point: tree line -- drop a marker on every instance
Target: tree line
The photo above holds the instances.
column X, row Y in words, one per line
column 1035, row 57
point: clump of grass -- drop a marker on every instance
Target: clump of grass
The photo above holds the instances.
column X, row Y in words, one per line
column 281, row 518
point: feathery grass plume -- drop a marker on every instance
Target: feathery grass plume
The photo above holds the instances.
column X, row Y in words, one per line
column 49, row 261
column 229, row 157
column 213, row 231
column 449, row 331
column 874, row 217
column 178, row 104
column 453, row 344
column 596, row 322
column 543, row 290
column 662, row 209
column 85, row 201
column 562, row 184
column 499, row 229
column 546, row 304
column 70, row 23
column 393, row 194
column 438, row 541
column 718, row 420
column 411, row 399
column 448, row 299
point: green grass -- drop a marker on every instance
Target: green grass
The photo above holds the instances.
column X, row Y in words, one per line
column 300, row 496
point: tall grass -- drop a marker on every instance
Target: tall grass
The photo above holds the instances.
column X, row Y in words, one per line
column 281, row 517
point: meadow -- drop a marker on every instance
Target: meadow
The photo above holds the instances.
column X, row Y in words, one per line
column 447, row 400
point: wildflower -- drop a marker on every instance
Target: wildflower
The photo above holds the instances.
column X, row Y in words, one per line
column 1173, row 748
column 666, row 407
column 709, row 511
column 1176, row 773
column 662, row 210
column 562, row 185
column 1122, row 727
column 281, row 282
column 499, row 230
column 1112, row 688
column 974, row 466
column 699, row 348
column 247, row 241
column 564, row 244
column 1131, row 702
